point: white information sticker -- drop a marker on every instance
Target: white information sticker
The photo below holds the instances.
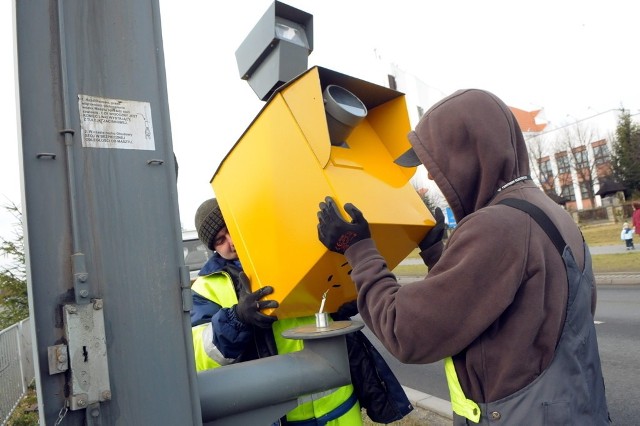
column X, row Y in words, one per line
column 115, row 123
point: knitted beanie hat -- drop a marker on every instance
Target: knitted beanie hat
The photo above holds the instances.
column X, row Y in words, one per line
column 209, row 222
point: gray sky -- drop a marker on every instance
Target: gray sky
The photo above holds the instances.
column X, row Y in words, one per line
column 572, row 58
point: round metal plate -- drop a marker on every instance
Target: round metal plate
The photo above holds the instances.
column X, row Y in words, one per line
column 311, row 331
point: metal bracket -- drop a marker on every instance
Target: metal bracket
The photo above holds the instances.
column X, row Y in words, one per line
column 185, row 286
column 80, row 278
column 84, row 330
column 58, row 359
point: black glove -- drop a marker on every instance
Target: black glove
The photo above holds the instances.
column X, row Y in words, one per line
column 346, row 311
column 436, row 233
column 336, row 233
column 249, row 305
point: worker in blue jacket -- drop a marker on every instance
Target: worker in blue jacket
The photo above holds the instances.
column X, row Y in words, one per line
column 228, row 324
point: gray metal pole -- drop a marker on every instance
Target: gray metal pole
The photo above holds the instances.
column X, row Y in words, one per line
column 109, row 294
column 259, row 392
column 108, row 290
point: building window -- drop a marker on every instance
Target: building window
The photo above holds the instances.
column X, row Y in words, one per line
column 584, row 190
column 563, row 163
column 601, row 154
column 581, row 156
column 546, row 172
column 568, row 192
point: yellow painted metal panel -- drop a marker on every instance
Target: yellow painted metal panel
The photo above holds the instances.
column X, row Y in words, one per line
column 270, row 184
column 304, row 99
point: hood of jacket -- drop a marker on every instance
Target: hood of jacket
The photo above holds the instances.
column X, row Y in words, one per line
column 471, row 145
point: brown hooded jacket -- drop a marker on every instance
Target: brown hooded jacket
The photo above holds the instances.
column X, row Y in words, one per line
column 495, row 298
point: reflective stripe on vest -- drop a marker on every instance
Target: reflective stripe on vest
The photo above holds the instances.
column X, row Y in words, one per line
column 336, row 413
column 203, row 360
column 324, row 406
column 459, row 403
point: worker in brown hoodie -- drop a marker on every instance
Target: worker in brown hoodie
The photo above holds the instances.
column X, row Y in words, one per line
column 509, row 302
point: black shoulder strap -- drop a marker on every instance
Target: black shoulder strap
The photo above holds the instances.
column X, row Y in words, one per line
column 540, row 217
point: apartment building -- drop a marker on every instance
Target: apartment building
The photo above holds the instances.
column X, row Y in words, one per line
column 571, row 163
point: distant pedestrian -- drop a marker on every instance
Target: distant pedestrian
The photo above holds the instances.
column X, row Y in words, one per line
column 627, row 236
column 635, row 219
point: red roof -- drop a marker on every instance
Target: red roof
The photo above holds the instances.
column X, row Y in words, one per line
column 527, row 120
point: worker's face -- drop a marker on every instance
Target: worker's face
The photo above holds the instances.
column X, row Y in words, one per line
column 224, row 246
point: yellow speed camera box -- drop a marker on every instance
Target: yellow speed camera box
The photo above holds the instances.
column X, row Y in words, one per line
column 270, row 184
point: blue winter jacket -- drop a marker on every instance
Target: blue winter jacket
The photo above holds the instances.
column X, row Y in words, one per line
column 231, row 336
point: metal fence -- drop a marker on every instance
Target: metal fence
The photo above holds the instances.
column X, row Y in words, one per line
column 16, row 366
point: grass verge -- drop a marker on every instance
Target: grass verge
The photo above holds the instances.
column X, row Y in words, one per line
column 26, row 413
column 622, row 262
column 603, row 235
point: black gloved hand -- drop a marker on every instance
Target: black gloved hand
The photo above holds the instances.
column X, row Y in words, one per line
column 346, row 311
column 436, row 233
column 336, row 233
column 249, row 305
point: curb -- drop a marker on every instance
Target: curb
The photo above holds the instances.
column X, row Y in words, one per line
column 620, row 278
column 439, row 407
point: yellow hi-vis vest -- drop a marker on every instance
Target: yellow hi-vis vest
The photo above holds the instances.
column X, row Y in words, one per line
column 218, row 287
column 459, row 403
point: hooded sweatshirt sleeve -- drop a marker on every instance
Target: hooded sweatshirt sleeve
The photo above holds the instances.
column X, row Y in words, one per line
column 496, row 298
column 439, row 316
